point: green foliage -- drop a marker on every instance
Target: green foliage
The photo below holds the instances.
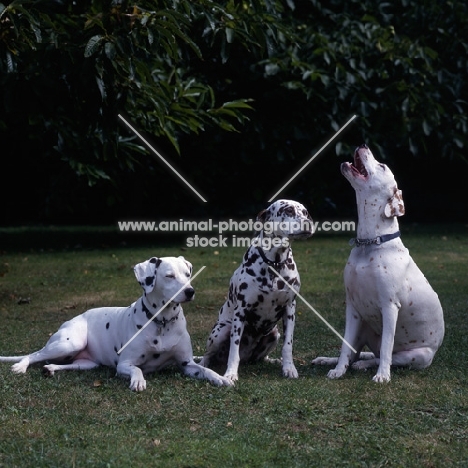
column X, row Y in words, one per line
column 97, row 59
column 182, row 68
column 401, row 68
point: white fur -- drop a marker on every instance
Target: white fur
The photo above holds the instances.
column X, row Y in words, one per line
column 95, row 337
column 390, row 306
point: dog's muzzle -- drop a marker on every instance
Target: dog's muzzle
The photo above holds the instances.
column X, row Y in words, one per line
column 189, row 293
column 306, row 230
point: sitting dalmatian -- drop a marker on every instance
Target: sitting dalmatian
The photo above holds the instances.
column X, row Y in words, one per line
column 246, row 330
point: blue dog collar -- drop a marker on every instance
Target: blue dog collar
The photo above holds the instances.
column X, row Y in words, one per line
column 376, row 240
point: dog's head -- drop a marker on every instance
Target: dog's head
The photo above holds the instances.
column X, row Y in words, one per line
column 370, row 176
column 168, row 278
column 286, row 218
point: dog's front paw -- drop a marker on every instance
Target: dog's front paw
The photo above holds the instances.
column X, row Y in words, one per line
column 138, row 385
column 223, row 381
column 381, row 378
column 233, row 377
column 290, row 372
column 336, row 373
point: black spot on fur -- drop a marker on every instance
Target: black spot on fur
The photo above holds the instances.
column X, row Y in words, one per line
column 156, row 356
column 243, row 286
column 155, row 341
column 251, row 260
column 149, row 280
column 185, row 363
column 139, row 327
column 250, row 272
column 107, row 325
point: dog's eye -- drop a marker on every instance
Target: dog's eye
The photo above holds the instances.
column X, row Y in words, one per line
column 171, row 275
column 187, row 275
column 383, row 166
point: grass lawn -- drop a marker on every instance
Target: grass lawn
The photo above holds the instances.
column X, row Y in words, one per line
column 419, row 419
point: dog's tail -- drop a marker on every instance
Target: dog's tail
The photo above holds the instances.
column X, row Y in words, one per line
column 11, row 358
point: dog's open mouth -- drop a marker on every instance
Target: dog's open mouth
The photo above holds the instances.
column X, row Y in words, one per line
column 358, row 167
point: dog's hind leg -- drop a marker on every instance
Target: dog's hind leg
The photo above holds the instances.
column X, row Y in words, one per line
column 264, row 347
column 366, row 355
column 65, row 344
column 417, row 358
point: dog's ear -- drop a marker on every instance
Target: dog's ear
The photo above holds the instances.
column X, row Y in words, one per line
column 262, row 216
column 395, row 206
column 145, row 273
column 189, row 265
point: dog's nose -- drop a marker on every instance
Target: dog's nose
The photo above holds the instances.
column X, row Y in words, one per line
column 363, row 146
column 189, row 293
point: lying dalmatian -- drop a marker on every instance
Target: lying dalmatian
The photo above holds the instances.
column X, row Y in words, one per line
column 121, row 337
column 246, row 329
column 390, row 305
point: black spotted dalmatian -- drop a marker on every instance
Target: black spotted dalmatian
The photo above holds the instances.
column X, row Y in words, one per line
column 122, row 337
column 246, row 329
